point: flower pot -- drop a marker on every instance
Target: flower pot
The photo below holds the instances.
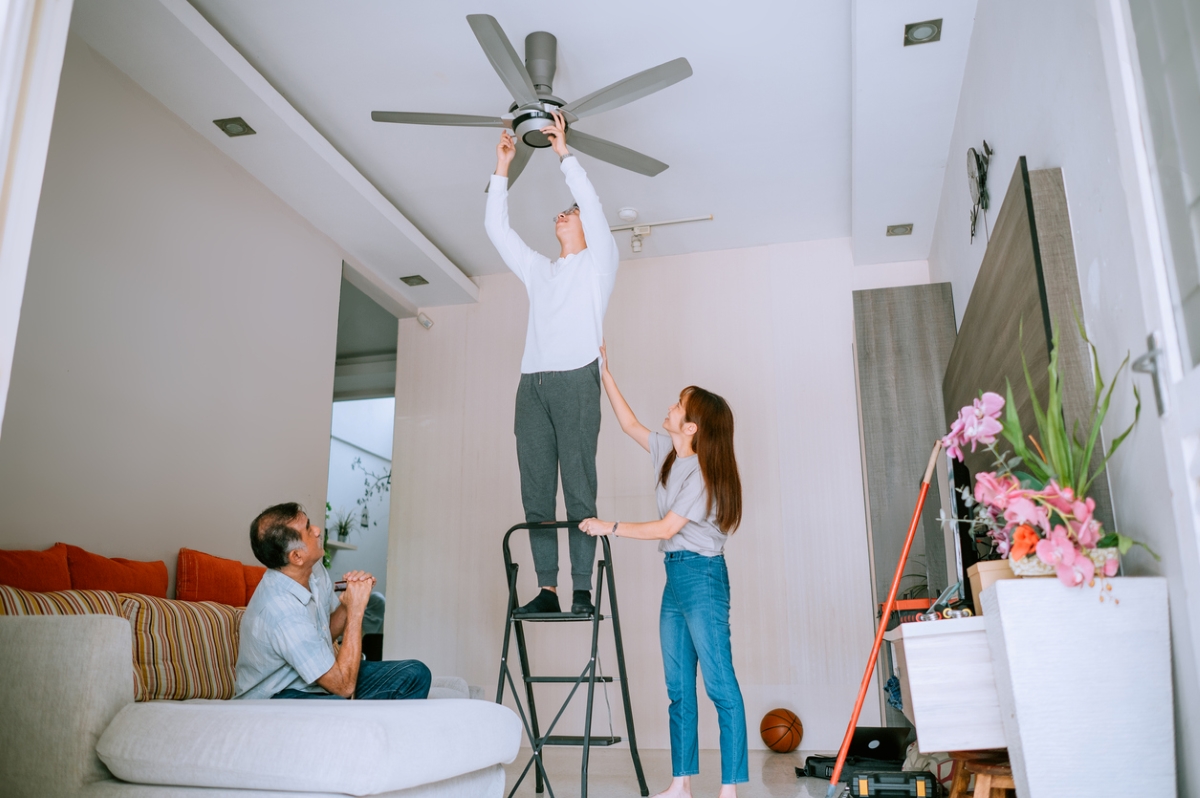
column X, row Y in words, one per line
column 982, row 574
column 1032, row 565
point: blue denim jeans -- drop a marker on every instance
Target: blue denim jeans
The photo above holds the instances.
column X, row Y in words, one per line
column 380, row 681
column 694, row 629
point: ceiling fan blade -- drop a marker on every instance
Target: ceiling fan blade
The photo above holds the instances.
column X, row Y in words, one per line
column 458, row 120
column 631, row 88
column 614, row 154
column 503, row 57
column 518, row 163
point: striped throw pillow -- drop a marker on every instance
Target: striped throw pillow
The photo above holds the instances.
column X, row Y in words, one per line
column 14, row 601
column 182, row 649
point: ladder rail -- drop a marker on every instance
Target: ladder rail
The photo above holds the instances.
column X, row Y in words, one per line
column 537, row 740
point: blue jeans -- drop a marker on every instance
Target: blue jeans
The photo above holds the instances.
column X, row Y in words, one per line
column 380, row 681
column 694, row 628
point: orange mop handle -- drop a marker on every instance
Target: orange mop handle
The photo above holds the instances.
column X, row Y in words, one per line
column 888, row 606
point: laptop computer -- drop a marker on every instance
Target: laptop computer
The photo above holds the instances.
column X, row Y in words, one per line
column 879, row 742
column 872, row 747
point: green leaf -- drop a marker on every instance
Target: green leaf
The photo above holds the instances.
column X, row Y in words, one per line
column 1124, row 544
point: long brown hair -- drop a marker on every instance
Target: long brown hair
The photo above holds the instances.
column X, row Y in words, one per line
column 713, row 445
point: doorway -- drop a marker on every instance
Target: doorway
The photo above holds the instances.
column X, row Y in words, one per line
column 358, row 494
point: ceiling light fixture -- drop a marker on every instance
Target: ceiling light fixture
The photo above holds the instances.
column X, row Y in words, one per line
column 234, row 126
column 899, row 229
column 640, row 231
column 923, row 32
column 414, row 280
column 627, row 214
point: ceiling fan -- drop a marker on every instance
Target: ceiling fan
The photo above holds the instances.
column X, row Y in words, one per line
column 531, row 84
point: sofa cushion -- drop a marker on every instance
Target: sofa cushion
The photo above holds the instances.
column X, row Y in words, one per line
column 93, row 572
column 182, row 649
column 354, row 747
column 36, row 570
column 203, row 577
column 253, row 575
column 14, row 601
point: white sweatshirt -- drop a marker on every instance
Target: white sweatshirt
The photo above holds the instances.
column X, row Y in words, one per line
column 568, row 296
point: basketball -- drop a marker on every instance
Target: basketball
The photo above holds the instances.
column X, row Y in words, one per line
column 781, row 730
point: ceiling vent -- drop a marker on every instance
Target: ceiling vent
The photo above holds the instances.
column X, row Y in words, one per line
column 234, row 126
column 899, row 229
column 923, row 32
column 414, row 280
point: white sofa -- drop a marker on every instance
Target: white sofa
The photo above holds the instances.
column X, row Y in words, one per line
column 69, row 727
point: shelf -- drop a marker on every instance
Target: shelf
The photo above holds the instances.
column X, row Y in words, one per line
column 338, row 545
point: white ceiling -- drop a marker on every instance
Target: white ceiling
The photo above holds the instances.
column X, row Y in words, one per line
column 802, row 121
column 905, row 102
column 758, row 136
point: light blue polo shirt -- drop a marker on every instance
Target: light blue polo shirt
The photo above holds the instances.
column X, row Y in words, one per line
column 285, row 640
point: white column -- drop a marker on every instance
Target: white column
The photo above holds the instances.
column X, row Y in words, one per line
column 33, row 37
column 1084, row 685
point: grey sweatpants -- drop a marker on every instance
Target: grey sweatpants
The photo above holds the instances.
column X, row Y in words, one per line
column 557, row 427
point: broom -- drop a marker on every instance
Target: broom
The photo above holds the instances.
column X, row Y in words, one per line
column 888, row 606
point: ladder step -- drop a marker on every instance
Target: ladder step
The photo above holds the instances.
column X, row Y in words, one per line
column 558, row 617
column 558, row 739
column 565, row 679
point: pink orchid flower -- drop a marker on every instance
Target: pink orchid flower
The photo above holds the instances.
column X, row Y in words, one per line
column 997, row 491
column 979, row 429
column 981, row 419
column 1022, row 510
column 1061, row 499
column 953, row 441
column 1110, row 566
column 1073, row 568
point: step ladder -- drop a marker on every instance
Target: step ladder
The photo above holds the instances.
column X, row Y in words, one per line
column 588, row 676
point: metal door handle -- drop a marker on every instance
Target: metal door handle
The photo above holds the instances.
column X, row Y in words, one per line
column 1148, row 364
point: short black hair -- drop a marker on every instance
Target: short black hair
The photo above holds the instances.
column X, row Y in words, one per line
column 270, row 536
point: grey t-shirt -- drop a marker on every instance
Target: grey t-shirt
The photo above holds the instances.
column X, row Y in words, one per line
column 686, row 494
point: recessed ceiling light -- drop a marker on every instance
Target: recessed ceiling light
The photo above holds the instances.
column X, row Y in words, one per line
column 414, row 280
column 923, row 32
column 899, row 229
column 627, row 214
column 234, row 126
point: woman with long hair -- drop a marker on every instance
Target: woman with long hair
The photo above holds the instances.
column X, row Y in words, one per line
column 699, row 498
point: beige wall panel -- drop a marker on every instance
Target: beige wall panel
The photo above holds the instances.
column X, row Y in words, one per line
column 174, row 360
column 769, row 329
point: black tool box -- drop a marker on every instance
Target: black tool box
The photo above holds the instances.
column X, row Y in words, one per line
column 893, row 784
column 821, row 767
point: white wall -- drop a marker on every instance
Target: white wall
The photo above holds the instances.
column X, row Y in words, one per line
column 174, row 361
column 1036, row 86
column 770, row 329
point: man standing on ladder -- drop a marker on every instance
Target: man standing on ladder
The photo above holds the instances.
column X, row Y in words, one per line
column 558, row 399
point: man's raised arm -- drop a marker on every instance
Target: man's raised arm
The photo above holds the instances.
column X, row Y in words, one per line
column 515, row 253
column 599, row 238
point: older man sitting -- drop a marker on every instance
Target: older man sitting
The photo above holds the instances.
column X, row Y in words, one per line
column 287, row 633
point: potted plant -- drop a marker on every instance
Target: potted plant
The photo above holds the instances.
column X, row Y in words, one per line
column 1035, row 506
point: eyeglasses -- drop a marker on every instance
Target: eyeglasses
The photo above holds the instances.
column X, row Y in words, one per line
column 573, row 209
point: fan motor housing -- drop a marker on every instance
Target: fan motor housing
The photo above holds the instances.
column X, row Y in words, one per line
column 528, row 124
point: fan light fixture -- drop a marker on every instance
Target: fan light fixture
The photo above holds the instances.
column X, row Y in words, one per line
column 922, row 32
column 531, row 85
column 414, row 280
column 234, row 126
column 899, row 229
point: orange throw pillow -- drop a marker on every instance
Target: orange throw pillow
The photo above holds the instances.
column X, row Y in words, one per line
column 203, row 577
column 39, row 571
column 93, row 572
column 254, row 575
